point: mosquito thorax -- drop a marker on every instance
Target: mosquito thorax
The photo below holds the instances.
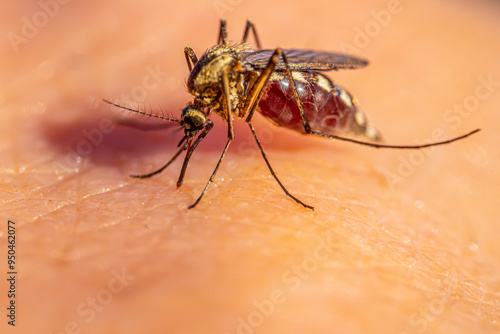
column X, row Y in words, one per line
column 205, row 80
column 219, row 59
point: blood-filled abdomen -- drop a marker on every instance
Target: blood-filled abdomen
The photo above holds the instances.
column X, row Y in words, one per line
column 328, row 107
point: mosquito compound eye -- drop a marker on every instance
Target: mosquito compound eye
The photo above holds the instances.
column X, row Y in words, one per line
column 195, row 122
column 193, row 119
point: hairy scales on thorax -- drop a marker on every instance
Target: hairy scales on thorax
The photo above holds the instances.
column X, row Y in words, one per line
column 204, row 82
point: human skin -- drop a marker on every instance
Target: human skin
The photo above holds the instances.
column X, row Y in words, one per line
column 399, row 241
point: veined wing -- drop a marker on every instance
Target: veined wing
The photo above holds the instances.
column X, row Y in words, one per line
column 303, row 60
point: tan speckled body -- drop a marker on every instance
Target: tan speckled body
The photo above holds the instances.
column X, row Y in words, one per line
column 204, row 82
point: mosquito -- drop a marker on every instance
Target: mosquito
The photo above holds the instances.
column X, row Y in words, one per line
column 285, row 85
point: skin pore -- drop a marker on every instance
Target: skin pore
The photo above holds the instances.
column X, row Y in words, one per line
column 399, row 242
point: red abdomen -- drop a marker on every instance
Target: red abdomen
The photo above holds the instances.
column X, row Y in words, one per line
column 328, row 107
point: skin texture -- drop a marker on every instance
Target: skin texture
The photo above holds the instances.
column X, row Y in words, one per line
column 400, row 241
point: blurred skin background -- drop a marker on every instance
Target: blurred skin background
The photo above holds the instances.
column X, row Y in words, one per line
column 399, row 242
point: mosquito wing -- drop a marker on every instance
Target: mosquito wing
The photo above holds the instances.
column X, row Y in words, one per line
column 303, row 60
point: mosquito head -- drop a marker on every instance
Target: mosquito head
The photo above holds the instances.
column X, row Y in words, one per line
column 193, row 120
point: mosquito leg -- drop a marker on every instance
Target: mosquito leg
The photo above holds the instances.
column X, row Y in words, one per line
column 229, row 107
column 254, row 96
column 411, row 147
column 222, row 32
column 257, row 89
column 251, row 25
column 191, row 58
column 273, row 173
column 208, row 126
column 144, row 176
column 213, row 174
column 230, row 136
column 308, row 129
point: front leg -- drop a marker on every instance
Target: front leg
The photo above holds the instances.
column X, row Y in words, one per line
column 222, row 39
column 230, row 136
column 251, row 26
column 190, row 149
column 222, row 32
column 191, row 58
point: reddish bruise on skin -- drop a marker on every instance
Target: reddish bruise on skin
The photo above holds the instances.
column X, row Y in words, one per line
column 328, row 107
